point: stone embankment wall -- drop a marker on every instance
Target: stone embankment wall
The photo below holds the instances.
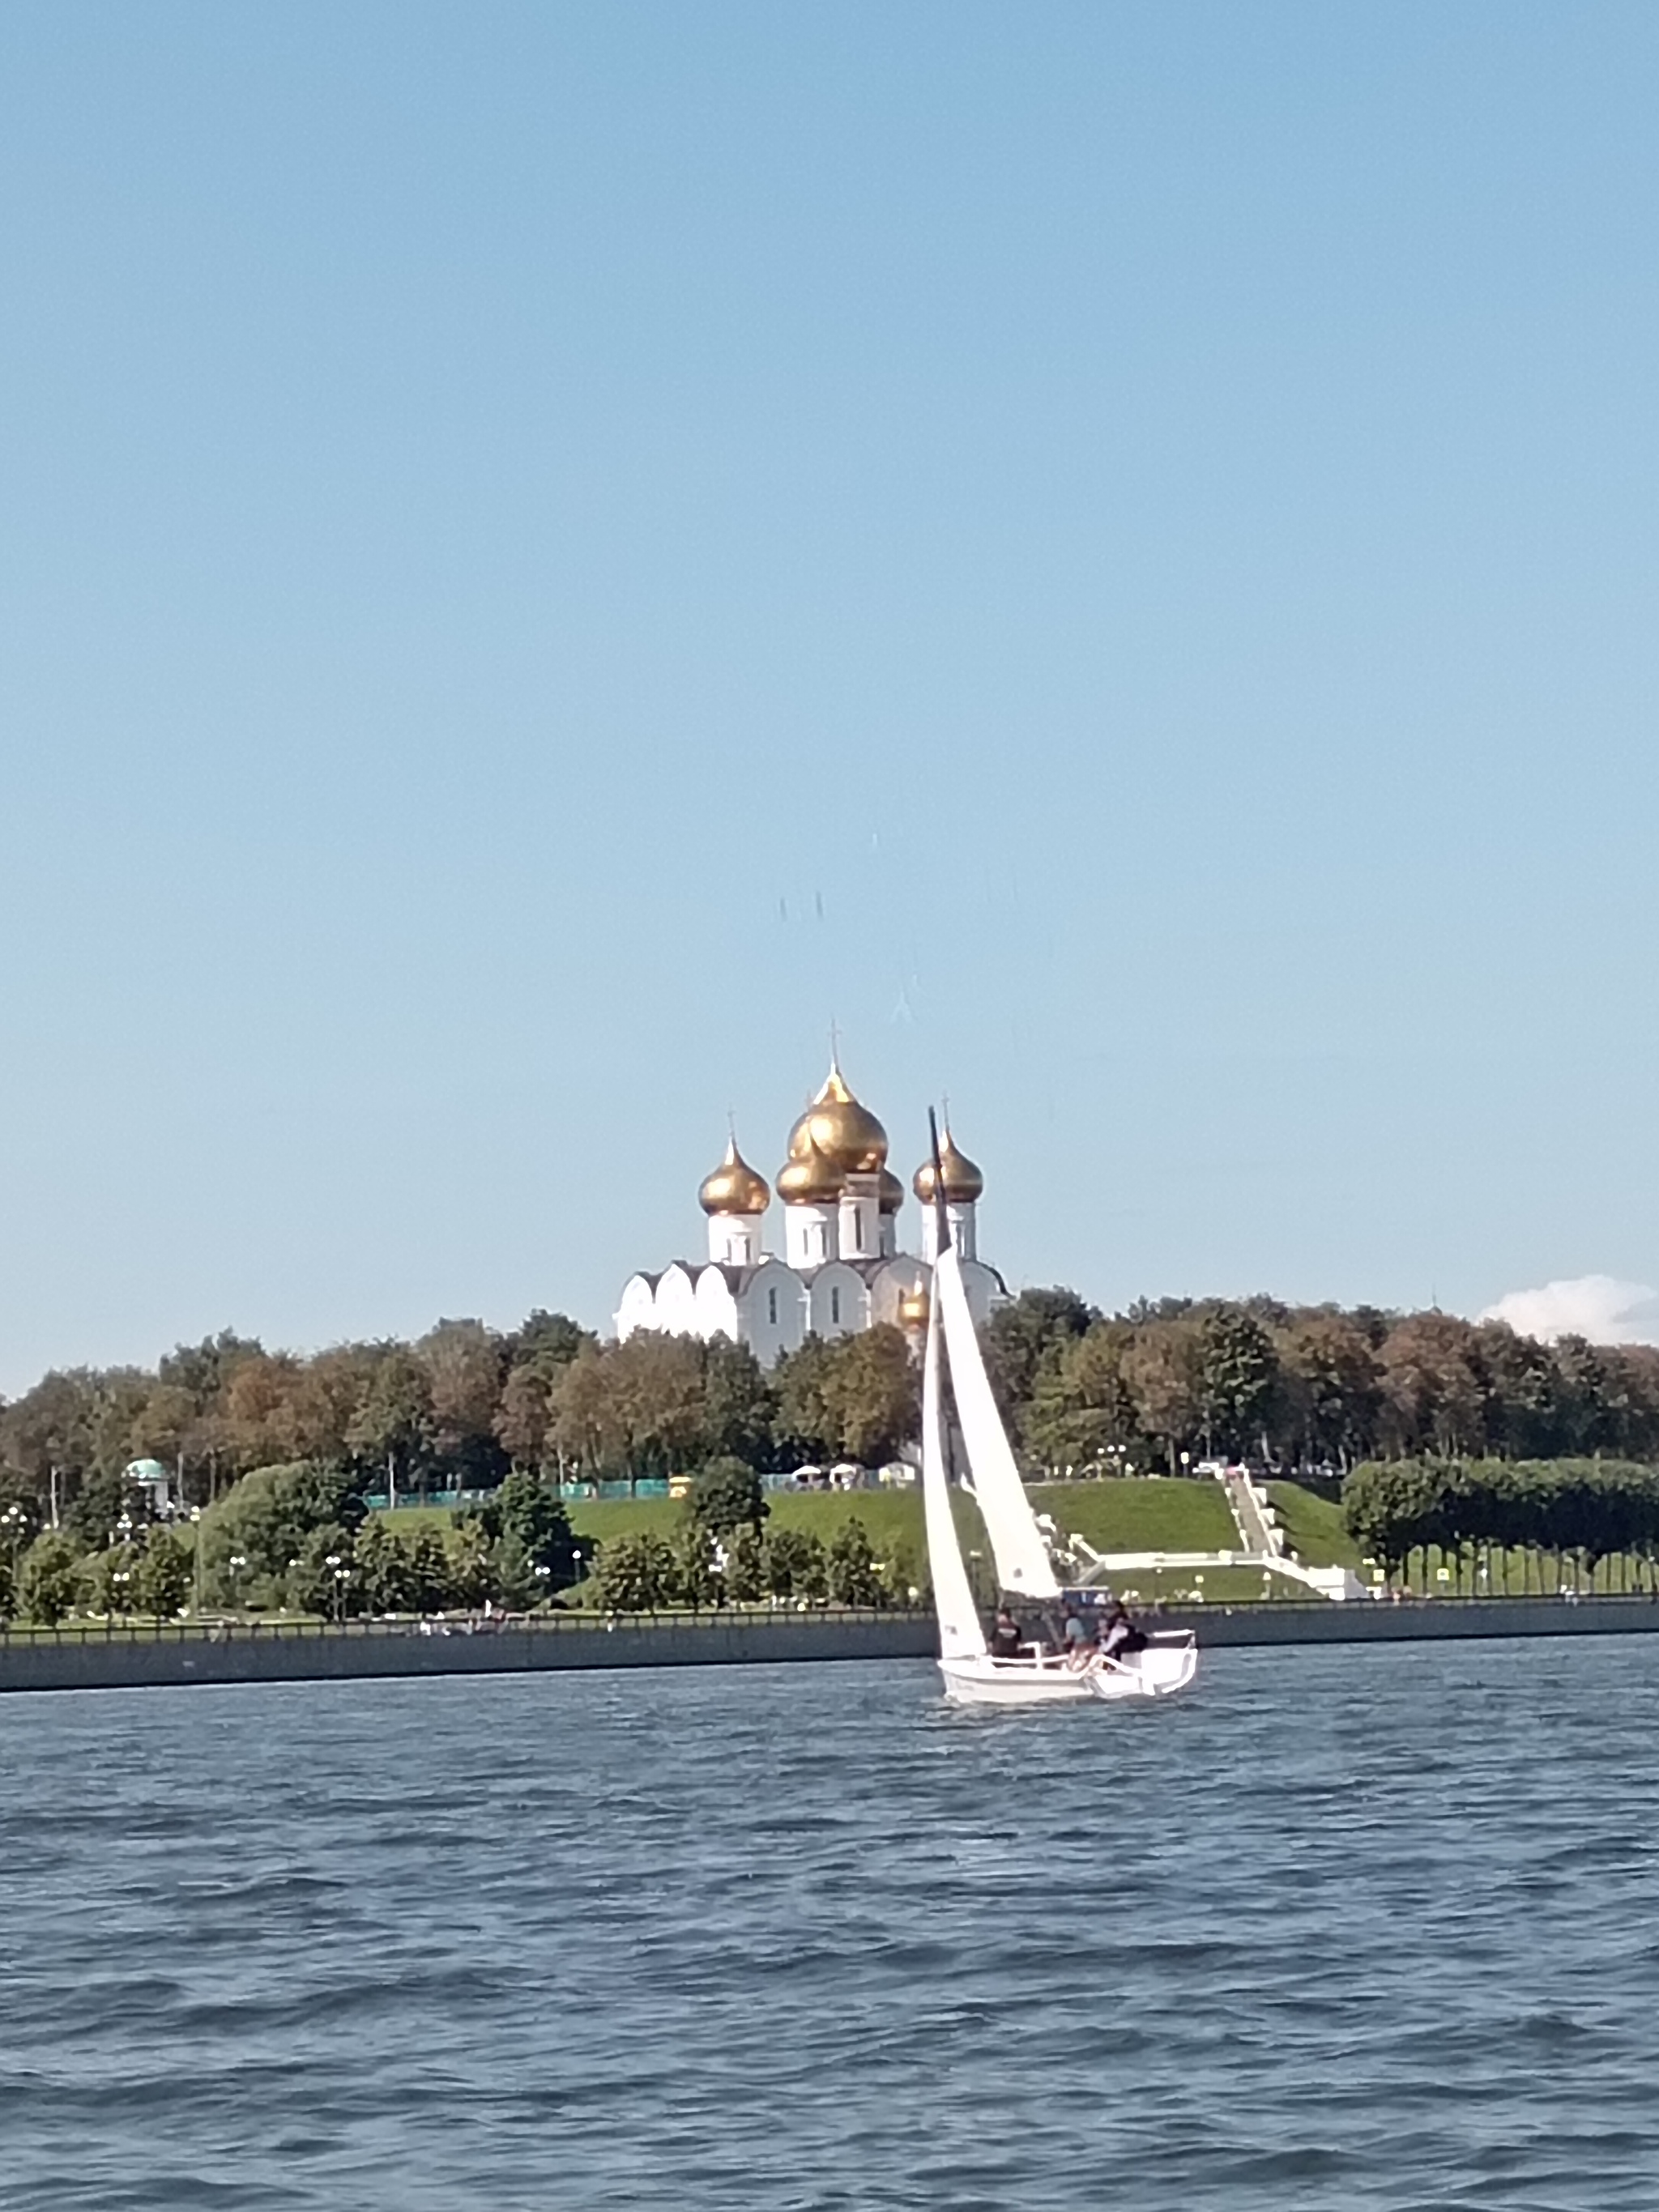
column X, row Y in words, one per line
column 92, row 1659
column 1370, row 1621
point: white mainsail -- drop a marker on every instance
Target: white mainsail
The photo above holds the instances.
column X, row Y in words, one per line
column 960, row 1633
column 1022, row 1557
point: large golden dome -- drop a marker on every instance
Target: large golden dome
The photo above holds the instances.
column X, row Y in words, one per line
column 806, row 1178
column 847, row 1133
column 964, row 1182
column 734, row 1187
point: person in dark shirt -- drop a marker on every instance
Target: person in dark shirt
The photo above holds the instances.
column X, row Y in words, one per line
column 1119, row 1636
column 1005, row 1638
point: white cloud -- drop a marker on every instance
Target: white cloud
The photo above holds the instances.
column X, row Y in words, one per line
column 1599, row 1307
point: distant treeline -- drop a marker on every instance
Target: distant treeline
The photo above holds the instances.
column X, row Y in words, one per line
column 1156, row 1388
column 1305, row 1387
column 1583, row 1510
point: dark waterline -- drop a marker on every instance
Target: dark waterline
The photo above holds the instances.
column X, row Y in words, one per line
column 1356, row 1927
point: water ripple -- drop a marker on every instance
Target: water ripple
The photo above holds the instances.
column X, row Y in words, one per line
column 1367, row 1930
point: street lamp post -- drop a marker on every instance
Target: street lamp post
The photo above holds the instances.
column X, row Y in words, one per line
column 13, row 1520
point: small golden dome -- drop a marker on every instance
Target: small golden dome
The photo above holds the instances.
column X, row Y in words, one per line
column 964, row 1182
column 913, row 1308
column 734, row 1187
column 807, row 1178
column 890, row 1191
column 847, row 1133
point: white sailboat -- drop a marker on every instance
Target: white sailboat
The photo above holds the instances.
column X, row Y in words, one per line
column 973, row 1674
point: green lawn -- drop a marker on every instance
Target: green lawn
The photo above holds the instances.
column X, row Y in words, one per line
column 1141, row 1516
column 1314, row 1527
column 1123, row 1516
column 1126, row 1515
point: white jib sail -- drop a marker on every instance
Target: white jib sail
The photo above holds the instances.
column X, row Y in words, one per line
column 1022, row 1557
column 960, row 1633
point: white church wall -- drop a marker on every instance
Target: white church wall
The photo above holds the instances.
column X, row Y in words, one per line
column 637, row 1307
column 772, row 1312
column 859, row 1217
column 677, row 1303
column 716, row 1308
column 734, row 1239
column 839, row 1305
column 983, row 1287
column 810, row 1234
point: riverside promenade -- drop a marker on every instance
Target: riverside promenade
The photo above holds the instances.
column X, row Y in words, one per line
column 99, row 1656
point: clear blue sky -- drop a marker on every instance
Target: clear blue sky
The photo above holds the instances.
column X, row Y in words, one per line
column 1147, row 513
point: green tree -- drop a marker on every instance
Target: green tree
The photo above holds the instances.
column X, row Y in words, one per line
column 635, row 1574
column 696, row 1582
column 1433, row 1391
column 740, row 1405
column 726, row 1495
column 528, row 1511
column 393, row 1426
column 1027, row 1337
column 1161, row 1369
column 745, row 1576
column 523, row 1418
column 99, row 1506
column 465, row 1367
column 432, row 1587
column 385, row 1569
column 796, row 1566
column 851, row 1568
column 857, row 1397
column 1081, row 1407
column 49, row 1582
column 325, row 1578
column 1328, row 1389
column 161, row 1570
column 471, row 1564
column 115, row 1580
column 1237, row 1368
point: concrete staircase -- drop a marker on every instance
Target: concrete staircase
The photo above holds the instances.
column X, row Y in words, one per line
column 1256, row 1519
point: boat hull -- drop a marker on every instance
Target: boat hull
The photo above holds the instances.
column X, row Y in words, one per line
column 988, row 1681
column 1168, row 1664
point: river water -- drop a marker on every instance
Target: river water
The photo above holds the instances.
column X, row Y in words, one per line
column 1353, row 1927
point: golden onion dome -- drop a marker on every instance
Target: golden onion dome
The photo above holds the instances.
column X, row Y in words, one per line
column 890, row 1191
column 964, row 1182
column 847, row 1133
column 807, row 1178
column 913, row 1308
column 734, row 1187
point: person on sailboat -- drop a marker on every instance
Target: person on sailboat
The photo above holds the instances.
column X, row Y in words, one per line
column 1074, row 1638
column 1119, row 1637
column 1005, row 1636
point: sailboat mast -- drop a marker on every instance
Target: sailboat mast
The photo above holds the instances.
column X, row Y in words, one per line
column 941, row 1218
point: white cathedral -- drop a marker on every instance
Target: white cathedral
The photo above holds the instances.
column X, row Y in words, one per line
column 841, row 1268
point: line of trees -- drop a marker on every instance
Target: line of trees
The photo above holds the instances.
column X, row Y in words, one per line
column 459, row 1409
column 298, row 1539
column 723, row 1553
column 1305, row 1387
column 1153, row 1388
column 1573, row 1510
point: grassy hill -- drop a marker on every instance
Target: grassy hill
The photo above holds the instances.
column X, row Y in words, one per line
column 1125, row 1516
column 1314, row 1527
